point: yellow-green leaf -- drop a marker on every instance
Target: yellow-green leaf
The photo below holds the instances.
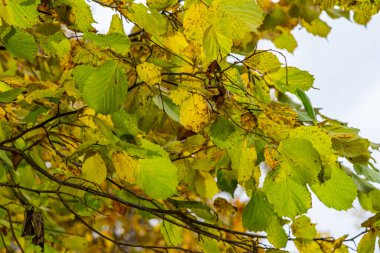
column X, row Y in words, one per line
column 303, row 228
column 19, row 13
column 367, row 243
column 125, row 166
column 149, row 73
column 158, row 177
column 290, row 79
column 94, row 169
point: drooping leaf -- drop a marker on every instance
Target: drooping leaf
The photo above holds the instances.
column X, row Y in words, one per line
column 307, row 104
column 367, row 243
column 215, row 44
column 126, row 167
column 205, row 185
column 276, row 234
column 157, row 177
column 370, row 173
column 106, row 88
column 258, row 213
column 286, row 41
column 116, row 25
column 317, row 27
column 288, row 197
column 94, row 169
column 338, row 192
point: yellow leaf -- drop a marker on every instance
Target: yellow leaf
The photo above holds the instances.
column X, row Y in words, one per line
column 94, row 169
column 195, row 22
column 205, row 185
column 125, row 166
column 149, row 73
column 86, row 117
column 194, row 113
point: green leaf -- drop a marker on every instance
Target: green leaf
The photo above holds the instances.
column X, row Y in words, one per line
column 307, row 104
column 166, row 104
column 149, row 19
column 173, row 234
column 216, row 44
column 157, row 177
column 354, row 148
column 209, row 245
column 303, row 228
column 317, row 27
column 79, row 14
column 290, row 79
column 226, row 181
column 370, row 200
column 19, row 13
column 32, row 116
column 81, row 73
column 258, row 213
column 367, row 243
column 125, row 123
column 19, row 43
column 46, row 93
column 371, row 174
column 276, row 234
column 116, row 25
column 10, row 95
column 94, row 169
column 299, row 157
column 243, row 12
column 338, row 192
column 288, row 197
column 220, row 130
column 119, row 43
column 286, row 41
column 106, row 88
column 73, row 242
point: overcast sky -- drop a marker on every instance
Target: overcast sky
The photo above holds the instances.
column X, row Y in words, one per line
column 346, row 67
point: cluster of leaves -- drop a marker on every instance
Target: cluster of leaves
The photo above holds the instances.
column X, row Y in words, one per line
column 122, row 141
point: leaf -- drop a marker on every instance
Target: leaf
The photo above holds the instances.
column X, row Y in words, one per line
column 288, row 197
column 106, row 88
column 309, row 246
column 317, row 27
column 306, row 104
column 19, row 43
column 303, row 228
column 126, row 167
column 276, row 234
column 355, row 148
column 243, row 159
column 220, row 130
column 371, row 174
column 286, row 41
column 46, row 93
column 205, row 185
column 215, row 44
column 258, row 213
column 299, row 157
column 338, row 192
column 19, row 13
column 226, row 181
column 209, row 245
column 149, row 19
column 264, row 62
column 194, row 113
column 125, row 123
column 79, row 14
column 149, row 73
column 119, row 43
column 290, row 79
column 157, row 177
column 242, row 14
column 165, row 104
column 81, row 73
column 160, row 4
column 320, row 139
column 94, row 169
column 116, row 25
column 367, row 243
column 10, row 95
column 173, row 234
